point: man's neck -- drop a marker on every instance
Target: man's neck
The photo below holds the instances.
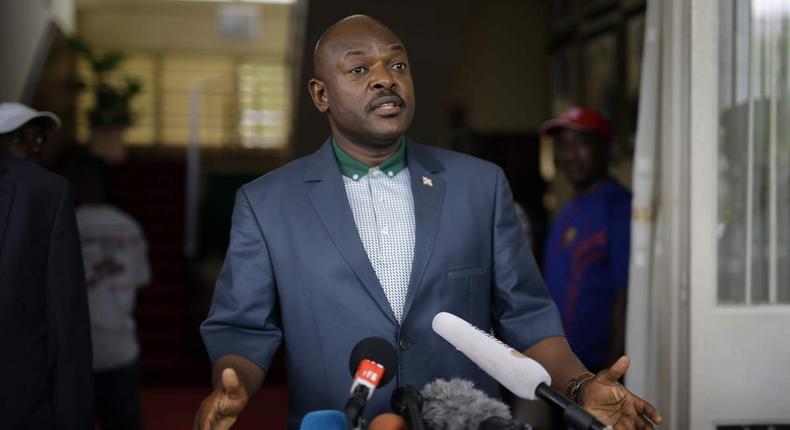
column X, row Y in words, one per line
column 371, row 155
column 591, row 186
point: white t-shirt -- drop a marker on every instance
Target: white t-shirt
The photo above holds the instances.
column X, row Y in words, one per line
column 115, row 255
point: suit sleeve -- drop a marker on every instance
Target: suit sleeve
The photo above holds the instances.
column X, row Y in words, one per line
column 522, row 310
column 244, row 318
column 68, row 323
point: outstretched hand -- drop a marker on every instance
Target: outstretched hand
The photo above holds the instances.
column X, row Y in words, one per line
column 222, row 407
column 613, row 404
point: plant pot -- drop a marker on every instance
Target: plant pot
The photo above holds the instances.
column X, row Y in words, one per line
column 107, row 143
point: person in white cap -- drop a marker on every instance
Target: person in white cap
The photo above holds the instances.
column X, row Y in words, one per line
column 45, row 341
column 23, row 131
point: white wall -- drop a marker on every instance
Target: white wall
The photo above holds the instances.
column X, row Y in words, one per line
column 23, row 25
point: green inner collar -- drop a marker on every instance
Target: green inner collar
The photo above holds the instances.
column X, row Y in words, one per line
column 352, row 168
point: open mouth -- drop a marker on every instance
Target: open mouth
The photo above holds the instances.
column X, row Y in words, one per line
column 386, row 106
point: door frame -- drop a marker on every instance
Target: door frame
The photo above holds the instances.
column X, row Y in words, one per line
column 737, row 376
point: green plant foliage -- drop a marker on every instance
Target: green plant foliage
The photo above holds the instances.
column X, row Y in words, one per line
column 112, row 101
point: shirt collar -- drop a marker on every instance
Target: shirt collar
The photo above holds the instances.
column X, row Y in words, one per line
column 356, row 170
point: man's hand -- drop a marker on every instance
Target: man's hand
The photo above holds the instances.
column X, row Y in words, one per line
column 613, row 404
column 220, row 409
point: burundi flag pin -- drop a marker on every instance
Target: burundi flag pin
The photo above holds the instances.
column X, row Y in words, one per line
column 427, row 181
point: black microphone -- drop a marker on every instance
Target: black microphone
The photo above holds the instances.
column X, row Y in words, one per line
column 372, row 363
column 574, row 415
column 407, row 402
column 456, row 404
column 499, row 423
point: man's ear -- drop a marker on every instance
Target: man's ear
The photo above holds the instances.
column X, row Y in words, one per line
column 318, row 94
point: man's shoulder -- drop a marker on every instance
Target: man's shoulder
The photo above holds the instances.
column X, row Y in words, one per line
column 458, row 163
column 289, row 176
column 30, row 177
column 617, row 194
column 106, row 218
column 282, row 178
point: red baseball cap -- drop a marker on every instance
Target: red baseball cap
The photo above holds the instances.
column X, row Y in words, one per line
column 580, row 119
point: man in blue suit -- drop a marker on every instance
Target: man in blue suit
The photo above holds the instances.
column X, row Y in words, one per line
column 373, row 235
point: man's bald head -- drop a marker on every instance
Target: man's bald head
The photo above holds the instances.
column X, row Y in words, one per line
column 334, row 39
column 363, row 83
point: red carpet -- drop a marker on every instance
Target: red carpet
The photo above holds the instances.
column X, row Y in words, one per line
column 173, row 408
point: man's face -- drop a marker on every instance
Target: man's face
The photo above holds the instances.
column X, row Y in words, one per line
column 28, row 142
column 580, row 156
column 366, row 85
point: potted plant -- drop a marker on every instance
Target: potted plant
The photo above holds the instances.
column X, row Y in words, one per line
column 111, row 113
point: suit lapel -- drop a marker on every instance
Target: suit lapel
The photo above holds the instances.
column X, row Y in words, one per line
column 6, row 197
column 428, row 192
column 328, row 195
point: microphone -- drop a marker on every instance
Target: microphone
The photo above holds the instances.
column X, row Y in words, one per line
column 523, row 376
column 457, row 404
column 407, row 402
column 499, row 423
column 372, row 363
column 324, row 420
column 388, row 421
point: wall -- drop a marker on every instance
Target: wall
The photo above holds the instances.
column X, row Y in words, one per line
column 23, row 29
column 501, row 77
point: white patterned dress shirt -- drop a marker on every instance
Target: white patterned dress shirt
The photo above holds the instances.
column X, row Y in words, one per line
column 383, row 210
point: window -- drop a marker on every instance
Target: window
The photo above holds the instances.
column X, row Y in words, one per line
column 207, row 80
column 237, row 101
column 263, row 104
column 754, row 152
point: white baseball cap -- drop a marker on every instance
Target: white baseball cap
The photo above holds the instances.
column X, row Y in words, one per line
column 15, row 115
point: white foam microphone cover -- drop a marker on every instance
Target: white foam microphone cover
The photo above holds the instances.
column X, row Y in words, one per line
column 517, row 372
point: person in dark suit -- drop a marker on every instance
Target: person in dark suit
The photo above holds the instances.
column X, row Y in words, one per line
column 45, row 364
column 373, row 235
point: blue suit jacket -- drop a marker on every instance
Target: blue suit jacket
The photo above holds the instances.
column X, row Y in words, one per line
column 296, row 274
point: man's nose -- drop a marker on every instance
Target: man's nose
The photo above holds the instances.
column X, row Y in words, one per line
column 566, row 153
column 382, row 79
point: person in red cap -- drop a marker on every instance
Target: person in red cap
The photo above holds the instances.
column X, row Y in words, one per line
column 586, row 263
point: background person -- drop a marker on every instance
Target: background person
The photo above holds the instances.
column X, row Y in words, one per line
column 115, row 254
column 45, row 365
column 587, row 251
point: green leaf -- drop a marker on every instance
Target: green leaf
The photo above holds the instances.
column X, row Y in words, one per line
column 109, row 61
column 111, row 105
column 81, row 47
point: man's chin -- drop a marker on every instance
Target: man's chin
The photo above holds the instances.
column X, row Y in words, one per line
column 387, row 137
column 384, row 142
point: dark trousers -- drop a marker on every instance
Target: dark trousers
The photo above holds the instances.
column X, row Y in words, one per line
column 117, row 398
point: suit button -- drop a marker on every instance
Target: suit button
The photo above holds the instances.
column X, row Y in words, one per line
column 405, row 343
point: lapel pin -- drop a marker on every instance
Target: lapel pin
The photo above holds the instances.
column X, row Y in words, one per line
column 427, row 181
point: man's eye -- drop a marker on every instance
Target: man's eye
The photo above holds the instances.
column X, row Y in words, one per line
column 399, row 66
column 357, row 70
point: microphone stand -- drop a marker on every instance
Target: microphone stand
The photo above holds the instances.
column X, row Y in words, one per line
column 354, row 406
column 407, row 402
